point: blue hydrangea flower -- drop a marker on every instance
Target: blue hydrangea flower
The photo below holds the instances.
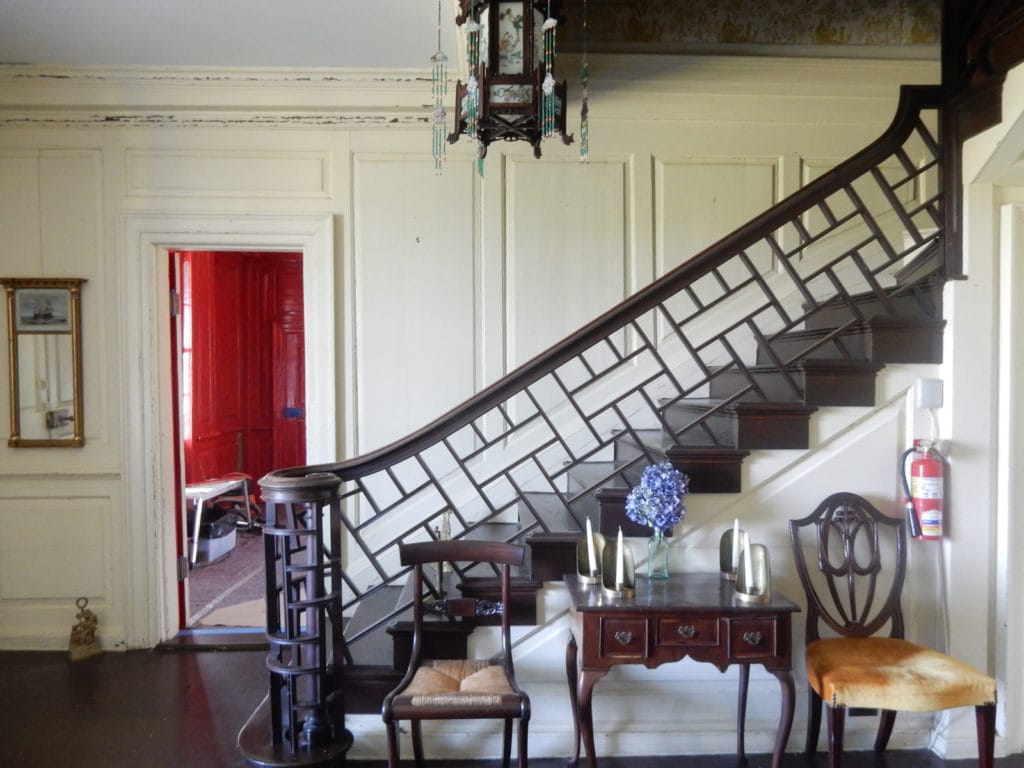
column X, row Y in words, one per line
column 657, row 501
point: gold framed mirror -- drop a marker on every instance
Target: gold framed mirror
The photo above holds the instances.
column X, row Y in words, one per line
column 45, row 361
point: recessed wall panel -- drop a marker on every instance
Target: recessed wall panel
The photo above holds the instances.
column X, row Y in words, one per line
column 19, row 214
column 414, row 282
column 699, row 201
column 566, row 249
column 51, row 549
column 227, row 174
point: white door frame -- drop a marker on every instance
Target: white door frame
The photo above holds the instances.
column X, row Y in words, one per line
column 1009, row 597
column 147, row 411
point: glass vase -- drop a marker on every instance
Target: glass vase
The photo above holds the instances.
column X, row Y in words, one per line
column 657, row 556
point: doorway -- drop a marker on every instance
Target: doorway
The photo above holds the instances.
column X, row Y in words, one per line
column 239, row 347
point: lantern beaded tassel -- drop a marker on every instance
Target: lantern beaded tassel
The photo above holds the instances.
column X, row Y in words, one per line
column 549, row 100
column 584, row 96
column 439, row 89
column 471, row 101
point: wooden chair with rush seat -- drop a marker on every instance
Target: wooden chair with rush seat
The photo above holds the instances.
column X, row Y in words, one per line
column 447, row 689
column 856, row 654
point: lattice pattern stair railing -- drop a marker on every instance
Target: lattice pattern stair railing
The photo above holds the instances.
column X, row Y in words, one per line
column 847, row 233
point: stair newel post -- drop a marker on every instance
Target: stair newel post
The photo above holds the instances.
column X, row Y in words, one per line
column 302, row 720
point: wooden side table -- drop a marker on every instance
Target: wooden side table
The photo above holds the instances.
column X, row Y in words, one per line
column 689, row 614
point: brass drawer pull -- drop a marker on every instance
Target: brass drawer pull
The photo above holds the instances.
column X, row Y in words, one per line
column 686, row 630
column 754, row 638
column 624, row 637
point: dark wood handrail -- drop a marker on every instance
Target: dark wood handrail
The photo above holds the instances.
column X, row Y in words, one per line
column 913, row 99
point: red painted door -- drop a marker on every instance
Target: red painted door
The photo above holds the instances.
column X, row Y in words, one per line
column 213, row 295
column 243, row 396
column 289, row 371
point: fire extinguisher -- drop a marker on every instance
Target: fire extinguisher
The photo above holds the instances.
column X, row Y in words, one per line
column 924, row 492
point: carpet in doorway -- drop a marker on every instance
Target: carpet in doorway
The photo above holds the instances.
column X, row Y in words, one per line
column 229, row 592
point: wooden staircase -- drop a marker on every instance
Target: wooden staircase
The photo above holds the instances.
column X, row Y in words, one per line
column 722, row 356
column 753, row 408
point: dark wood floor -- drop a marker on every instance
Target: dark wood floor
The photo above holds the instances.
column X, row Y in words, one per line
column 179, row 709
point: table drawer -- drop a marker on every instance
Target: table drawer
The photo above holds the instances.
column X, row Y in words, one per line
column 702, row 631
column 752, row 638
column 623, row 638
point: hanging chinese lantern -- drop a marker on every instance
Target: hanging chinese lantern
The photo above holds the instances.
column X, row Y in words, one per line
column 510, row 93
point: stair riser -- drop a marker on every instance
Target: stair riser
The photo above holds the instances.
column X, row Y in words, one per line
column 747, row 430
column 553, row 555
column 907, row 345
column 709, row 472
column 366, row 687
column 881, row 342
column 773, row 432
column 855, row 388
column 612, row 503
column 722, row 426
column 718, row 472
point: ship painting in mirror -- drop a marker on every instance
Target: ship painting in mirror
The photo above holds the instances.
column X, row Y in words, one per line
column 45, row 361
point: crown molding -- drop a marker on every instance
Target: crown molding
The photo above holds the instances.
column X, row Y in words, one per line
column 40, row 97
column 108, row 96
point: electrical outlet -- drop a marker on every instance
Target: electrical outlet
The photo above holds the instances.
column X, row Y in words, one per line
column 928, row 393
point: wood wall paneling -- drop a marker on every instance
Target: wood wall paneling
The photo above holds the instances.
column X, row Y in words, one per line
column 20, row 214
column 416, row 240
column 227, row 173
column 53, row 548
column 567, row 248
column 699, row 201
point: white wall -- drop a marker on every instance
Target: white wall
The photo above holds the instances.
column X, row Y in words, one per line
column 994, row 247
column 440, row 284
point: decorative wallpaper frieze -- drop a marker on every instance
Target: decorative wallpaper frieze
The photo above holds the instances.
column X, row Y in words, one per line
column 670, row 23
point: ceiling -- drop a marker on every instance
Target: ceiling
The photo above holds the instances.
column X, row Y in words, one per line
column 307, row 34
column 403, row 34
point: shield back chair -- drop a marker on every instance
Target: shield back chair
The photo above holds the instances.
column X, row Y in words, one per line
column 448, row 689
column 856, row 655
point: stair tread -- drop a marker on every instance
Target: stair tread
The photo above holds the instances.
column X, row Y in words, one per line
column 813, row 363
column 707, row 403
column 707, row 451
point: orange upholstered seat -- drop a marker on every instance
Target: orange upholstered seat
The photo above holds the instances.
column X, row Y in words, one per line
column 853, row 592
column 889, row 673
